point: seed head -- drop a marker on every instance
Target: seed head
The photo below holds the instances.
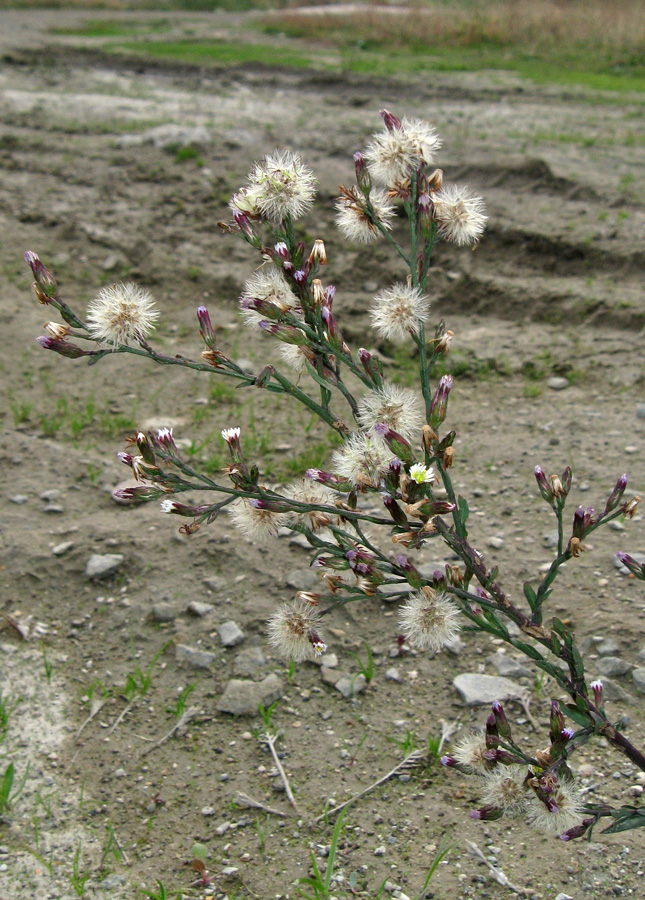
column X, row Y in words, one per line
column 470, row 751
column 428, row 619
column 398, row 408
column 355, row 222
column 393, row 154
column 504, row 788
column 294, row 630
column 257, row 524
column 281, row 186
column 121, row 313
column 315, row 494
column 398, row 312
column 460, row 215
column 363, row 458
column 563, row 811
column 268, row 285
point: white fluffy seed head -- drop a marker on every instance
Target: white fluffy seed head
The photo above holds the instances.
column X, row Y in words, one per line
column 311, row 492
column 504, row 788
column 363, row 457
column 569, row 809
column 295, row 356
column 294, row 631
column 282, row 186
column 460, row 215
column 355, row 224
column 121, row 313
column 429, row 620
column 470, row 752
column 255, row 524
column 268, row 284
column 397, row 312
column 397, row 407
column 391, row 156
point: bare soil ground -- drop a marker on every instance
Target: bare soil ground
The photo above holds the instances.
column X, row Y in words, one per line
column 89, row 181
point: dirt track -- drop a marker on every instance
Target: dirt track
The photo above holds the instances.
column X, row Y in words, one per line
column 91, row 177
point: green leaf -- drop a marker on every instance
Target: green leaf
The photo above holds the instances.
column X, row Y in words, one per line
column 200, row 851
column 626, row 818
column 576, row 715
column 530, row 595
column 528, row 650
column 464, row 512
column 578, row 665
column 560, row 628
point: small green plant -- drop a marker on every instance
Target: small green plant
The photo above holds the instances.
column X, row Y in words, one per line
column 291, row 671
column 137, row 683
column 366, row 670
column 78, row 878
column 180, row 703
column 193, row 273
column 265, row 715
column 407, row 745
column 21, row 411
column 434, row 748
column 8, row 795
column 182, row 154
column 47, row 863
column 6, row 709
column 161, row 894
column 262, row 829
column 47, row 665
column 319, row 885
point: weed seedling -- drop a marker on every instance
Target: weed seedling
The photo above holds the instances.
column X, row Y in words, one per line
column 180, row 704
column 318, row 884
column 8, row 795
column 78, row 878
column 368, row 670
column 6, row 709
column 48, row 666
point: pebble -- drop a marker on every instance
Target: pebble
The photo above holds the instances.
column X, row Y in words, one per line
column 50, row 495
column 208, row 810
column 509, row 667
column 18, row 499
column 329, row 660
column 613, row 666
column 476, row 689
column 163, row 612
column 349, row 687
column 111, row 262
column 550, row 540
column 248, row 661
column 197, row 608
column 454, row 646
column 615, row 525
column 215, row 583
column 638, row 677
column 631, row 450
column 608, row 647
column 193, row 656
column 299, row 540
column 613, row 691
column 63, row 548
column 53, row 509
column 101, row 566
column 557, row 383
column 329, row 676
column 640, row 411
column 302, row 580
column 112, row 882
column 230, row 634
column 228, row 871
column 393, row 675
column 496, row 542
column 380, row 851
column 120, row 773
column 562, row 896
column 243, row 697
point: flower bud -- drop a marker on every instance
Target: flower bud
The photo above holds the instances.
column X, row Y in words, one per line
column 426, row 216
column 435, row 181
column 214, row 358
column 543, row 485
column 439, row 404
column 395, row 441
column 411, row 574
column 264, row 377
column 44, row 278
column 56, row 330
column 628, row 509
column 145, row 448
column 391, row 122
column 428, row 438
column 373, row 367
column 557, row 487
column 317, row 292
column 503, row 727
column 205, row 327
column 616, row 495
column 71, row 351
column 246, row 229
column 318, row 254
column 448, row 457
column 286, row 333
column 596, row 687
column 363, row 178
column 140, row 494
column 578, row 830
column 630, row 563
column 395, row 511
column 486, row 813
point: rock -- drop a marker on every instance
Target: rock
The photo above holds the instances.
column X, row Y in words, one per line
column 230, row 634
column 329, row 676
column 53, row 509
column 562, row 896
column 208, row 811
column 556, row 383
column 613, row 691
column 242, row 697
column 163, row 612
column 111, row 262
column 615, row 525
column 380, row 851
column 197, row 608
column 607, row 647
column 508, row 667
column 302, row 580
column 215, row 583
column 638, row 677
column 112, row 882
column 477, row 689
column 193, row 656
column 61, row 549
column 391, row 593
column 48, row 496
column 349, row 687
column 248, row 661
column 18, row 499
column 102, row 566
column 120, row 773
column 393, row 675
column 640, row 411
column 496, row 542
column 613, row 666
column 299, row 540
column 246, row 365
column 229, row 871
column 550, row 540
column 454, row 646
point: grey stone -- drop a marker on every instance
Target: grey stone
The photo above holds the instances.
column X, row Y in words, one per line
column 393, row 674
column 496, row 542
column 299, row 540
column 391, row 593
column 208, row 810
column 615, row 525
column 550, row 540
column 330, row 676
column 120, row 773
column 242, row 698
column 246, row 365
column 611, row 690
column 197, row 608
column 640, row 411
column 18, row 499
column 455, row 646
column 563, row 896
column 215, row 583
column 608, row 647
column 102, row 566
column 193, row 656
column 613, row 666
column 111, row 262
column 641, row 654
column 638, row 677
column 48, row 496
column 302, row 580
column 248, row 661
column 477, row 689
column 63, row 548
column 557, row 383
column 112, row 882
column 230, row 634
column 349, row 687
column 53, row 509
column 509, row 667
column 163, row 612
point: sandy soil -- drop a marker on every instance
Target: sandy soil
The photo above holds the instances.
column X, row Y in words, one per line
column 91, row 179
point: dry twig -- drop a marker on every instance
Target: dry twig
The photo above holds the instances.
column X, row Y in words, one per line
column 190, row 713
column 242, row 799
column 269, row 740
column 496, row 874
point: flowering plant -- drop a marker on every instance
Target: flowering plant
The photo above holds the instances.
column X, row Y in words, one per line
column 391, row 476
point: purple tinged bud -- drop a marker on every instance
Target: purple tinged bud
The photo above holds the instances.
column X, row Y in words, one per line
column 205, row 327
column 145, row 449
column 372, row 366
column 330, row 293
column 125, row 458
column 568, row 733
column 503, row 726
column 448, row 761
column 439, row 404
column 245, row 227
column 616, row 495
column 43, row 276
column 64, row 348
column 300, row 276
column 395, row 441
column 543, row 485
column 596, row 687
column 395, row 511
column 363, row 178
column 391, row 122
column 281, row 250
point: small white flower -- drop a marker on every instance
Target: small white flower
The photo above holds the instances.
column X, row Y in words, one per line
column 421, row 474
column 470, row 752
column 267, row 284
column 504, row 788
column 255, row 524
column 294, row 630
column 429, row 620
column 167, row 506
column 568, row 811
column 230, row 434
column 164, row 433
column 399, row 408
column 121, row 313
column 355, row 223
column 460, row 215
column 398, row 312
column 282, row 186
column 363, row 457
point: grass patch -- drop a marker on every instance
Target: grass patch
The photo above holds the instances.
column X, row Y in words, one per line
column 217, row 53
column 114, row 28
